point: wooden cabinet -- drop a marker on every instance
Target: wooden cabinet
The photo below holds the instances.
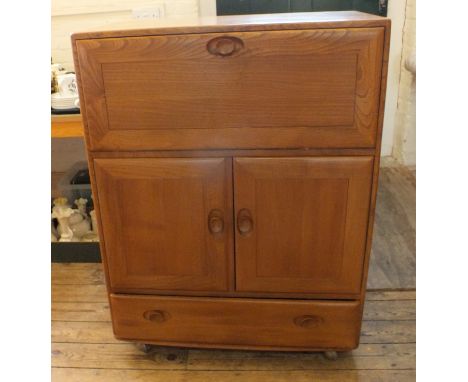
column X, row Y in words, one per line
column 234, row 168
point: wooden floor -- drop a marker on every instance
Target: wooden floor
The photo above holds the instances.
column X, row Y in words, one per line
column 84, row 349
column 393, row 258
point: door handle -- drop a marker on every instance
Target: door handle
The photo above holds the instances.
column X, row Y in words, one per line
column 308, row 321
column 224, row 46
column 216, row 221
column 156, row 315
column 244, row 222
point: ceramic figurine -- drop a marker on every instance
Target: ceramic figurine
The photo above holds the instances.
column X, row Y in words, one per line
column 90, row 237
column 79, row 224
column 62, row 212
column 94, row 223
column 93, row 235
column 81, row 205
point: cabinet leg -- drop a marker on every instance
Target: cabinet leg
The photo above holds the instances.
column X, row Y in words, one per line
column 145, row 348
column 331, row 355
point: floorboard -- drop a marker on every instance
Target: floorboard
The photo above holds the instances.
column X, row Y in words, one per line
column 114, row 375
column 393, row 257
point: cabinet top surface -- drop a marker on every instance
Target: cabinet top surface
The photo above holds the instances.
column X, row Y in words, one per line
column 277, row 21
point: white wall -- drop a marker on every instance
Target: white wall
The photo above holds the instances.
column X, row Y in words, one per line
column 399, row 130
column 396, row 12
column 404, row 146
column 207, row 8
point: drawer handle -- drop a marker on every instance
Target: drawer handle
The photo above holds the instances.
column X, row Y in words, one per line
column 308, row 321
column 156, row 315
column 224, row 46
column 244, row 222
column 216, row 221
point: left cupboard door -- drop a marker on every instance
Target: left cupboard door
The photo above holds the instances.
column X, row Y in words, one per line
column 166, row 222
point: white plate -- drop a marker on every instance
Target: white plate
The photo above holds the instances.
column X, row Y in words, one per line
column 64, row 108
column 59, row 97
column 63, row 100
column 63, row 105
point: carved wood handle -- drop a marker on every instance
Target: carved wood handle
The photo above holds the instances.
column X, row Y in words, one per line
column 224, row 46
column 156, row 315
column 216, row 221
column 308, row 321
column 244, row 222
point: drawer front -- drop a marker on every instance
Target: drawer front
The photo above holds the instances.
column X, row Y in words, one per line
column 237, row 322
column 292, row 89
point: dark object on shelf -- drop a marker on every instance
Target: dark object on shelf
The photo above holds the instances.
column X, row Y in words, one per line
column 75, row 253
column 243, row 7
column 81, row 177
column 65, row 111
column 75, row 184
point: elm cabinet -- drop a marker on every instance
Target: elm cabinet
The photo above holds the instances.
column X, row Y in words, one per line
column 234, row 167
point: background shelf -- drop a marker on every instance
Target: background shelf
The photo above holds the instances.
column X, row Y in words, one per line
column 67, row 126
column 75, row 253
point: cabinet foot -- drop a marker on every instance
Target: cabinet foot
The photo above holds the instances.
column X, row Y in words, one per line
column 145, row 348
column 331, row 355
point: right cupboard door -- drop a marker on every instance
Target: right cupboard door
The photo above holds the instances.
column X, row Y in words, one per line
column 301, row 223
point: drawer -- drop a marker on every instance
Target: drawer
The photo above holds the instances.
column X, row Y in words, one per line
column 266, row 89
column 230, row 323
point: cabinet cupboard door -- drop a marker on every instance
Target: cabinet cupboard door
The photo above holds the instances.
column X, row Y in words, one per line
column 166, row 222
column 266, row 89
column 301, row 223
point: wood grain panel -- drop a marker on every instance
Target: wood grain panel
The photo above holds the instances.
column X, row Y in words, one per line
column 116, row 356
column 309, row 223
column 79, row 293
column 127, row 356
column 367, row 357
column 66, row 126
column 77, row 273
column 81, row 311
column 310, row 88
column 381, row 332
column 285, row 21
column 242, row 92
column 241, row 322
column 110, row 375
column 99, row 311
column 155, row 222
